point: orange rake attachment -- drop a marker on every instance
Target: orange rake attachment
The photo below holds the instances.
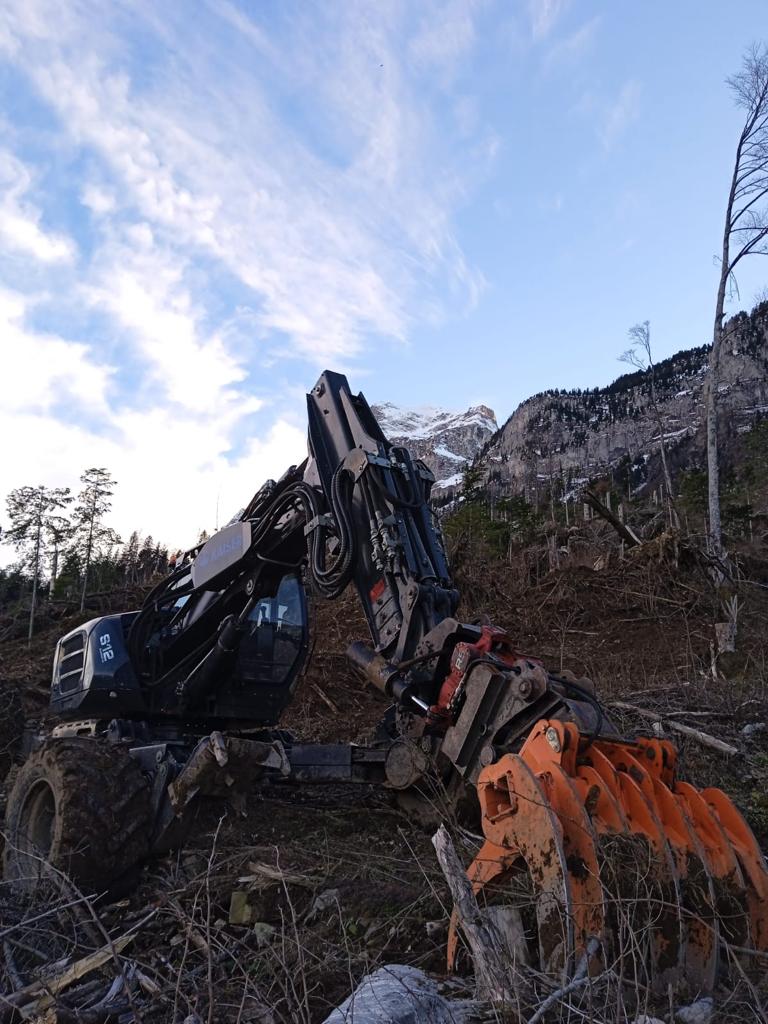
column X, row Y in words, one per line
column 598, row 839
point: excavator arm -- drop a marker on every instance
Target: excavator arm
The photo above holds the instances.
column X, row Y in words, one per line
column 356, row 512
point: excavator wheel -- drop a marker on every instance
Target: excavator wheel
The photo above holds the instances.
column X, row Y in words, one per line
column 80, row 807
column 615, row 848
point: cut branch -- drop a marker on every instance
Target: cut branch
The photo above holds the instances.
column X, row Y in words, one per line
column 494, row 974
column 685, row 730
column 625, row 532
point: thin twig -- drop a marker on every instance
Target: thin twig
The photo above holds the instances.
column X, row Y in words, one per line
column 580, row 977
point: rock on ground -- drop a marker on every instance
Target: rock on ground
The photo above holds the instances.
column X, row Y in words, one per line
column 399, row 994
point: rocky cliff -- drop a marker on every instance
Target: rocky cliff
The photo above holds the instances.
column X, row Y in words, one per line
column 446, row 441
column 569, row 436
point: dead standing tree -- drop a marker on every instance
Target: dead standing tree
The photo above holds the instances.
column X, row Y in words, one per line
column 639, row 355
column 745, row 233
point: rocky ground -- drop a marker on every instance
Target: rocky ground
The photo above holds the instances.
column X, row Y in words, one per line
column 275, row 914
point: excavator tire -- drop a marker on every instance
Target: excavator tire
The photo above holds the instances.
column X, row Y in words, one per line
column 80, row 807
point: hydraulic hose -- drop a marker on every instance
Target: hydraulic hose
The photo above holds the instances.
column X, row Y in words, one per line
column 584, row 694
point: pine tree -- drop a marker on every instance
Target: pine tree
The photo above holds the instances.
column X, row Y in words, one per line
column 58, row 531
column 146, row 559
column 34, row 513
column 93, row 504
column 129, row 560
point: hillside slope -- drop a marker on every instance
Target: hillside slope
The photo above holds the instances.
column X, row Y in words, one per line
column 566, row 436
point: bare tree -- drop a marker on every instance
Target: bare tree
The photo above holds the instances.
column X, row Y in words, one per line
column 33, row 512
column 639, row 355
column 745, row 233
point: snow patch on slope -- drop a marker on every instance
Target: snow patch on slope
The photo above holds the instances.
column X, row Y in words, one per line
column 444, row 439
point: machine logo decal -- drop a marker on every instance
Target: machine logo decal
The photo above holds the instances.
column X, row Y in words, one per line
column 106, row 651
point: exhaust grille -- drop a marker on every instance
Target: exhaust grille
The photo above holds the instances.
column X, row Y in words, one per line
column 71, row 661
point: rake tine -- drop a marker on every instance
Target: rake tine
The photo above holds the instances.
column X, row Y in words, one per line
column 723, row 864
column 751, row 860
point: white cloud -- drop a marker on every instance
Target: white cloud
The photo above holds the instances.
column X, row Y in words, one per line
column 40, row 370
column 181, row 462
column 333, row 250
column 20, row 228
column 211, row 211
column 244, row 25
column 171, row 461
column 141, row 286
column 98, row 200
column 171, row 471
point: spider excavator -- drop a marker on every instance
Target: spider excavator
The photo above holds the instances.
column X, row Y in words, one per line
column 586, row 835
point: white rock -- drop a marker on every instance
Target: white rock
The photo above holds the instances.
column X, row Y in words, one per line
column 699, row 1012
column 752, row 729
column 399, row 994
column 324, row 901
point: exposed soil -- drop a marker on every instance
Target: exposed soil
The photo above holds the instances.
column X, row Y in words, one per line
column 640, row 628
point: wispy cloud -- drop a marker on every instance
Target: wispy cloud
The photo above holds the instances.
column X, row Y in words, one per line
column 283, row 175
column 20, row 220
column 139, row 285
column 312, row 237
column 444, row 40
column 620, row 114
column 573, row 46
column 544, row 15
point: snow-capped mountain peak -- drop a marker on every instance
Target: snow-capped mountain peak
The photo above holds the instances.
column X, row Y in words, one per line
column 446, row 440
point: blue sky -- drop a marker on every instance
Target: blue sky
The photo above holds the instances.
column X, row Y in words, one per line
column 203, row 205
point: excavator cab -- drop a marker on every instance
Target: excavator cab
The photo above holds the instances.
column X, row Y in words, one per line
column 271, row 654
column 275, row 638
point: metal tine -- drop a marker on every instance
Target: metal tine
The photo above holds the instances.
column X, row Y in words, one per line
column 697, row 890
column 668, row 938
column 580, row 846
column 517, row 815
column 600, row 801
column 551, row 752
column 751, row 859
column 730, row 887
column 675, row 839
column 661, row 759
column 539, row 837
column 608, row 819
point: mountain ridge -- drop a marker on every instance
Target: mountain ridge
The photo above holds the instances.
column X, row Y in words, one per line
column 446, row 440
column 572, row 435
column 568, row 436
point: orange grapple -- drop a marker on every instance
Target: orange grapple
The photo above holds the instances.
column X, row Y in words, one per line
column 613, row 846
